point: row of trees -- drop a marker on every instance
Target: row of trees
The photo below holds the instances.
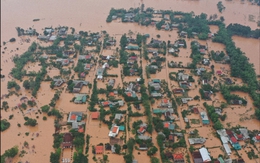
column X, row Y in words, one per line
column 241, row 30
column 240, row 67
column 213, row 116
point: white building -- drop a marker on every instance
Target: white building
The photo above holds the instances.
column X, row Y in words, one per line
column 205, row 154
column 113, row 131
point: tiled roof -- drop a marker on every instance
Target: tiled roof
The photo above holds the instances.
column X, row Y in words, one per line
column 94, row 115
column 178, row 156
column 114, row 129
column 105, row 103
column 141, row 129
column 111, row 94
column 166, row 125
column 219, row 72
column 257, row 137
column 233, row 139
column 73, row 117
column 81, row 130
column 99, row 149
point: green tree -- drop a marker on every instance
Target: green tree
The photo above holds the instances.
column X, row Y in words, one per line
column 218, row 125
column 123, row 42
column 26, row 84
column 55, row 157
column 11, row 152
column 31, row 122
column 45, row 108
column 152, row 151
column 155, row 160
column 4, row 125
column 17, row 87
column 11, row 84
column 117, row 148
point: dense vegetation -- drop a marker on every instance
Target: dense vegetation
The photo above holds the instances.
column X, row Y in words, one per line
column 4, row 125
column 12, row 152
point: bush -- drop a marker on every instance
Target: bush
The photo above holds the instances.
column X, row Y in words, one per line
column 44, row 118
column 11, row 116
column 12, row 40
column 31, row 122
column 45, row 108
column 4, row 125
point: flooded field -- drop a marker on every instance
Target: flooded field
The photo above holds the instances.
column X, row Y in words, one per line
column 40, row 137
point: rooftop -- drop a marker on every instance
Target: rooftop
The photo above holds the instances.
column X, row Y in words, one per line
column 99, row 149
column 95, row 115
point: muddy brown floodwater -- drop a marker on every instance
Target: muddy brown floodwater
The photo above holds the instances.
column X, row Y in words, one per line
column 91, row 15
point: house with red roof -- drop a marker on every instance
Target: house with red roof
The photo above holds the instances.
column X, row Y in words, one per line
column 233, row 140
column 257, row 138
column 235, row 143
column 178, row 91
column 229, row 133
column 166, row 103
column 82, row 75
column 219, row 72
column 202, row 51
column 142, row 128
column 178, row 158
column 166, row 125
column 111, row 94
column 239, row 137
column 81, row 129
column 133, row 58
column 113, row 131
column 95, row 115
column 87, row 66
column 67, row 140
column 171, row 137
column 195, row 110
column 99, row 149
column 105, row 103
column 73, row 117
column 89, row 56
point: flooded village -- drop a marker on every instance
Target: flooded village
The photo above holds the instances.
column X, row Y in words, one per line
column 138, row 82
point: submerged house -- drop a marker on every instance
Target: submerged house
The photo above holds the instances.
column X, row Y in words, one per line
column 58, row 82
column 142, row 128
column 235, row 143
column 169, row 125
column 205, row 154
column 197, row 141
column 78, row 84
column 99, row 149
column 113, row 131
column 100, row 72
column 111, row 82
column 178, row 158
column 131, row 47
column 166, row 103
column 204, row 118
column 178, row 91
column 67, row 140
column 80, row 98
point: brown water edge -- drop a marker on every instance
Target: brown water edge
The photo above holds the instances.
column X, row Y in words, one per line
column 59, row 19
column 251, row 48
column 83, row 21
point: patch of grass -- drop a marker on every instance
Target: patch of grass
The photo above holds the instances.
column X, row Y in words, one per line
column 195, row 121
